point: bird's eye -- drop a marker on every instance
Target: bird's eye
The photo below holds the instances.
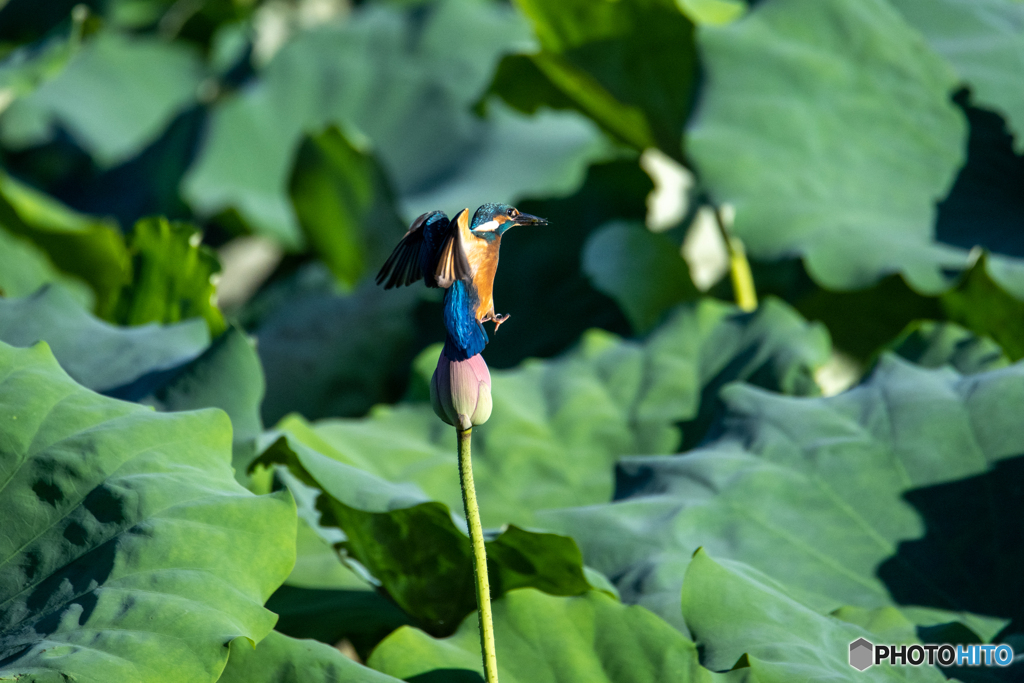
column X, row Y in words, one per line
column 512, row 212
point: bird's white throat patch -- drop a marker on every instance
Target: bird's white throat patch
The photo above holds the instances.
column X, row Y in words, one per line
column 489, row 226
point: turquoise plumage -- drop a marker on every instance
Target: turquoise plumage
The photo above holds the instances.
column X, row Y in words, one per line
column 460, row 256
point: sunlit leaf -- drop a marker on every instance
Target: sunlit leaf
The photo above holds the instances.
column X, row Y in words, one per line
column 119, row 92
column 829, row 127
column 984, row 41
column 280, row 659
column 735, row 612
column 130, row 552
column 172, row 276
column 820, row 494
column 96, row 354
column 557, row 640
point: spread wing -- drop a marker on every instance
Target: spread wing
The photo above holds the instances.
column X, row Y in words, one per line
column 452, row 263
column 416, row 248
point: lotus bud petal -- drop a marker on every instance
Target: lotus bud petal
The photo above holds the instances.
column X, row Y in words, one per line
column 460, row 391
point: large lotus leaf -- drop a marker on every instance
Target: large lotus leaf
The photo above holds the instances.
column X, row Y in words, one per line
column 118, row 92
column 628, row 65
column 413, row 547
column 735, row 612
column 96, row 354
column 984, row 41
column 395, row 75
column 644, row 272
column 130, row 552
column 172, row 278
column 558, row 426
column 829, row 127
column 545, row 639
column 933, row 344
column 78, row 245
column 517, row 156
column 344, row 206
column 811, row 492
column 280, row 659
column 227, row 375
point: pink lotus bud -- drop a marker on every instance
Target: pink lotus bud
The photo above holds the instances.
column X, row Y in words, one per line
column 460, row 391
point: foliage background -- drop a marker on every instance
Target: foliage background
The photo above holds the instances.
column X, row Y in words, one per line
column 195, row 195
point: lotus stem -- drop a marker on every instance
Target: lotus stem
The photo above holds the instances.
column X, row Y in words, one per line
column 739, row 267
column 476, row 537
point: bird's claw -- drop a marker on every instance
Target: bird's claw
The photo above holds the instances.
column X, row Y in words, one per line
column 498, row 319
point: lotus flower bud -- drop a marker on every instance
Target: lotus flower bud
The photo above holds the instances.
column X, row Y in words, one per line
column 460, row 391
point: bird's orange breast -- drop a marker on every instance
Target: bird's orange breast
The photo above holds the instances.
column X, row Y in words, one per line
column 482, row 255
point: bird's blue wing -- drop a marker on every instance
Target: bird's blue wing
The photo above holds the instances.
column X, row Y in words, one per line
column 416, row 253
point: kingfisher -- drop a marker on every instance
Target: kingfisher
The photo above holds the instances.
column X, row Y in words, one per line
column 460, row 256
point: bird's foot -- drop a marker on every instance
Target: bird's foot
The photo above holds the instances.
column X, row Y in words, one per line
column 498, row 319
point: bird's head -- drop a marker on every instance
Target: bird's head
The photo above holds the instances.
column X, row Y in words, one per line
column 492, row 220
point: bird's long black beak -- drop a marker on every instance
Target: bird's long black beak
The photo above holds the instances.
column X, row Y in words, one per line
column 527, row 219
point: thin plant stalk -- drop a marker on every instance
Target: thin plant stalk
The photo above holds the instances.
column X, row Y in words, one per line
column 739, row 267
column 476, row 537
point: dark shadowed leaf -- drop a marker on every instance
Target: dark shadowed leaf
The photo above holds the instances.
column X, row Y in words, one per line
column 811, row 492
column 96, row 354
column 557, row 640
column 78, row 245
column 412, row 545
column 644, row 272
column 130, row 553
column 980, row 304
column 933, row 344
column 799, row 129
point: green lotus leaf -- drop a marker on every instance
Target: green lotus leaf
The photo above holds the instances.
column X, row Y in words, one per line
column 397, row 79
column 344, row 205
column 736, row 613
column 130, row 552
column 96, row 354
column 829, row 127
column 558, row 426
column 872, row 498
column 414, row 548
column 280, row 659
column 118, row 93
column 25, row 268
column 79, row 246
column 984, row 42
column 644, row 272
column 630, row 66
column 556, row 640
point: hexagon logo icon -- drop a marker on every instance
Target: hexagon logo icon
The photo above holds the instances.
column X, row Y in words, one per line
column 861, row 654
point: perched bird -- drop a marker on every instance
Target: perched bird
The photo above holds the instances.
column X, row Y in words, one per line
column 460, row 256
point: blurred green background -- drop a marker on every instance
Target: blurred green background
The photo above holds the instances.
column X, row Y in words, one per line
column 181, row 178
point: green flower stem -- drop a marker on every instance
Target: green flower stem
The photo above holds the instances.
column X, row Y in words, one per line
column 739, row 267
column 476, row 537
